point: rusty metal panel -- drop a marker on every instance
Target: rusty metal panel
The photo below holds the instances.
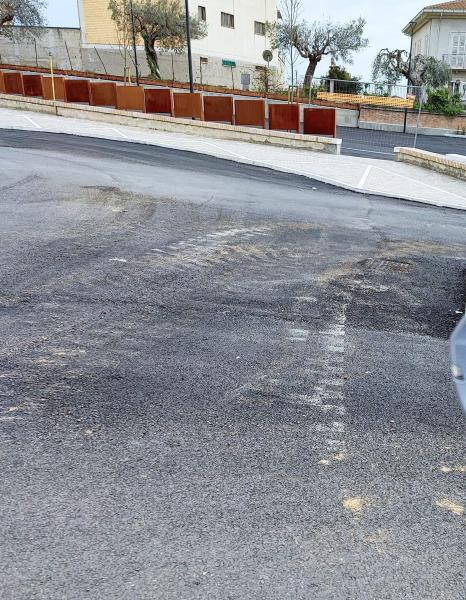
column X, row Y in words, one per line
column 47, row 91
column 102, row 93
column 218, row 108
column 2, row 83
column 320, row 121
column 158, row 100
column 187, row 106
column 250, row 112
column 130, row 97
column 284, row 117
column 77, row 90
column 32, row 85
column 13, row 82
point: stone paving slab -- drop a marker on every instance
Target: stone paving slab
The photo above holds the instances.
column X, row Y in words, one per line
column 363, row 175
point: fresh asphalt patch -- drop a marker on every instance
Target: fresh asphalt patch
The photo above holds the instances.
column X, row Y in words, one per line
column 219, row 381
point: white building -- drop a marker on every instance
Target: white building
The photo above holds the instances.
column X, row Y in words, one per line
column 230, row 53
column 439, row 30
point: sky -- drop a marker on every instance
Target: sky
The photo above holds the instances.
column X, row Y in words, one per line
column 385, row 20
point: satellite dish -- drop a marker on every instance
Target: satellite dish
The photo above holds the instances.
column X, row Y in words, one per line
column 267, row 56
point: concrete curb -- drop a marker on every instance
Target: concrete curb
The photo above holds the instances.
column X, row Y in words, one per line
column 236, row 154
column 288, row 170
column 174, row 125
column 446, row 165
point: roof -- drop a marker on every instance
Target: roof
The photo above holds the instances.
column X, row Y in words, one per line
column 452, row 9
column 458, row 5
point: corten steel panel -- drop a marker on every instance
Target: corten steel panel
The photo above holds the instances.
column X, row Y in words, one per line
column 250, row 112
column 2, row 83
column 284, row 117
column 187, row 105
column 218, row 108
column 102, row 93
column 32, row 85
column 47, row 91
column 13, row 83
column 77, row 90
column 158, row 101
column 320, row 121
column 130, row 97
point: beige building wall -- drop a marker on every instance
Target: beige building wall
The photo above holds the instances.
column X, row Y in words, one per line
column 227, row 56
column 96, row 22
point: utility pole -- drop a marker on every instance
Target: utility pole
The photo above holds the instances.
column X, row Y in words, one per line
column 412, row 23
column 405, row 123
column 134, row 42
column 188, row 41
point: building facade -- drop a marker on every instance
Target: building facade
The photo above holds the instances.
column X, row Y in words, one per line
column 439, row 30
column 230, row 54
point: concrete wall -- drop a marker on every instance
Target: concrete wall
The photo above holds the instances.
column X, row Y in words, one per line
column 62, row 42
column 173, row 67
column 65, row 46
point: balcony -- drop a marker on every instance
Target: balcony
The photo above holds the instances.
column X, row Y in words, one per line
column 455, row 61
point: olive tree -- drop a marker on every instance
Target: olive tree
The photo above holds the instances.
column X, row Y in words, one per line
column 162, row 26
column 120, row 11
column 316, row 40
column 27, row 13
column 391, row 65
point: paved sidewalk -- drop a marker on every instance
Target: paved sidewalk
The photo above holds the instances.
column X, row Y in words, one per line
column 364, row 175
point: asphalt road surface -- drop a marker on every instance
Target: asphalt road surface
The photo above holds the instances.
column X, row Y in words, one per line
column 222, row 382
column 380, row 144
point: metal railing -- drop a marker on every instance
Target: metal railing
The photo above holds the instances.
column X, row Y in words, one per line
column 455, row 61
column 364, row 93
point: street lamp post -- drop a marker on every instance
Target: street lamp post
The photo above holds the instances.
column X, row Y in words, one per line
column 134, row 42
column 188, row 41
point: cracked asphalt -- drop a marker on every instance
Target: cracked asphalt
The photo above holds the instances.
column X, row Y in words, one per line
column 223, row 382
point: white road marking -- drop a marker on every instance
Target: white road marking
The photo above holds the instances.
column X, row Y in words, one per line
column 121, row 260
column 364, row 177
column 418, row 181
column 36, row 125
column 123, row 135
column 369, row 151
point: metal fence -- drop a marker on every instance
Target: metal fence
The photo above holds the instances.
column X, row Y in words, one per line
column 373, row 117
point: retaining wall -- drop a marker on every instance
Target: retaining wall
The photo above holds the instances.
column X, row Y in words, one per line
column 163, row 123
column 432, row 161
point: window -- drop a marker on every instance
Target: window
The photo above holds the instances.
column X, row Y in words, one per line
column 201, row 13
column 259, row 28
column 458, row 50
column 204, row 60
column 458, row 43
column 228, row 20
column 426, row 45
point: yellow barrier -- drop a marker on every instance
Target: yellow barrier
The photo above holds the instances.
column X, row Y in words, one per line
column 361, row 99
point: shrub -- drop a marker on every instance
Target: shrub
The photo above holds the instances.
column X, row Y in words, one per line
column 442, row 101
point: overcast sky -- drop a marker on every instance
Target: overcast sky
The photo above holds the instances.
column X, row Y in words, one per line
column 385, row 19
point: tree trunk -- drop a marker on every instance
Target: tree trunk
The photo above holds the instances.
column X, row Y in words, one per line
column 311, row 69
column 152, row 58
